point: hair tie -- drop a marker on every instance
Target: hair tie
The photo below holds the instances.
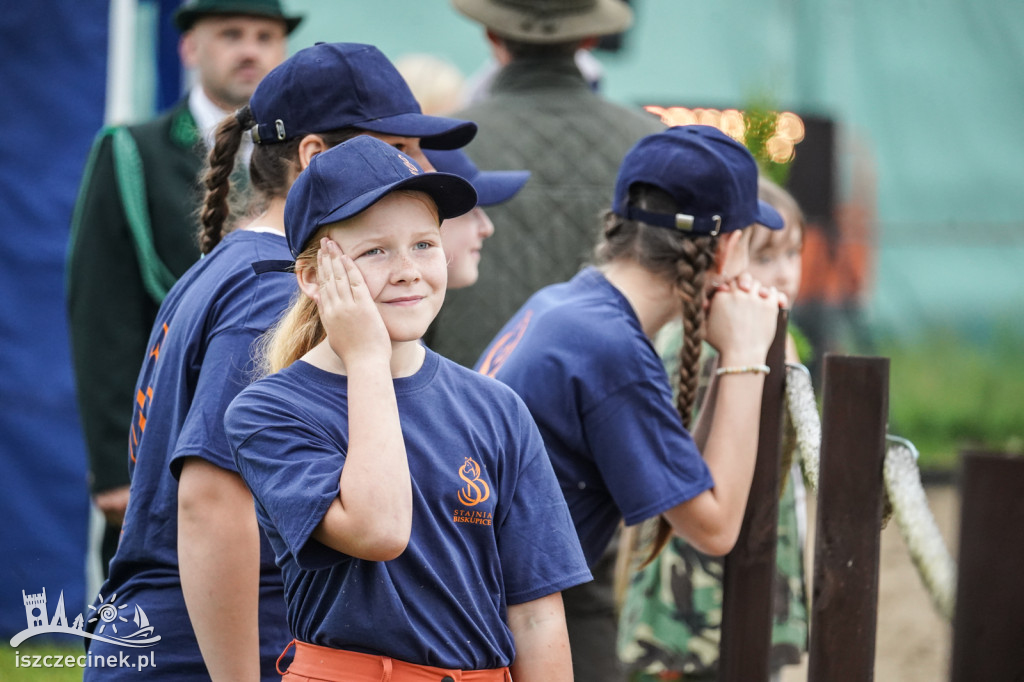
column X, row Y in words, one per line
column 613, row 228
column 244, row 117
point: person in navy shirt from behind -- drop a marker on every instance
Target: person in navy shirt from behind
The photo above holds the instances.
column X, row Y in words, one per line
column 409, row 501
column 580, row 354
column 199, row 358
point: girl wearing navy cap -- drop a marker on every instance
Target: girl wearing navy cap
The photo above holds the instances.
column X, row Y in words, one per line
column 409, row 501
column 580, row 354
column 464, row 236
column 192, row 556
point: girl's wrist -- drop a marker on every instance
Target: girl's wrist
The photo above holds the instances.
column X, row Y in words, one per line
column 366, row 362
column 741, row 359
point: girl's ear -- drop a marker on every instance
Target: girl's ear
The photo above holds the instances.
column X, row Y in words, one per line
column 725, row 254
column 306, row 273
column 310, row 146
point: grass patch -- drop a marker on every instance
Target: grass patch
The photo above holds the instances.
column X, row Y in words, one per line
column 9, row 672
column 947, row 394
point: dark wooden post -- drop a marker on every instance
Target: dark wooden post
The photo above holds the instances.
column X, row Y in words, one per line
column 988, row 625
column 844, row 610
column 748, row 581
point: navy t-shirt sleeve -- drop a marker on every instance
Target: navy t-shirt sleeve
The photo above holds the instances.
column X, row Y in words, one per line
column 539, row 550
column 647, row 459
column 227, row 369
column 293, row 471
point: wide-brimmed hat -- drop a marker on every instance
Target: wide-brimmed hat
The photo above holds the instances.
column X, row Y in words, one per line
column 492, row 187
column 347, row 179
column 346, row 85
column 549, row 21
column 192, row 11
column 711, row 177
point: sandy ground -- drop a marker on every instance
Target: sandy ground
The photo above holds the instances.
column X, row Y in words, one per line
column 913, row 642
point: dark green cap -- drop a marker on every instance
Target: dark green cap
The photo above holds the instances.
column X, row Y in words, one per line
column 192, row 11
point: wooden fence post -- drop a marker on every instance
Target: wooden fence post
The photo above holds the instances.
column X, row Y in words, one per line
column 748, row 581
column 988, row 624
column 844, row 609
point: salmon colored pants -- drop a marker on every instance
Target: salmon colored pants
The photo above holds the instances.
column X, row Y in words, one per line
column 314, row 663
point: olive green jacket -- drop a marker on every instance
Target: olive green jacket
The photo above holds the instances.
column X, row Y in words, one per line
column 542, row 116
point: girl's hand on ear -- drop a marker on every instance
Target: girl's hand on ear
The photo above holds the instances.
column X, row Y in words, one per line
column 355, row 329
column 741, row 320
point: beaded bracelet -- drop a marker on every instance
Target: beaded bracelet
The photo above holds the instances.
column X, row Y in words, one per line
column 744, row 369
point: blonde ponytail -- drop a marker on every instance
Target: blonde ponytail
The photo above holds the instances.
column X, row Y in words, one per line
column 299, row 330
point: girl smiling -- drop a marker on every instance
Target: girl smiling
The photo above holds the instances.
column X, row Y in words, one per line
column 405, row 497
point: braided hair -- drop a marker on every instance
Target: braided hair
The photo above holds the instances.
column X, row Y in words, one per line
column 220, row 164
column 271, row 171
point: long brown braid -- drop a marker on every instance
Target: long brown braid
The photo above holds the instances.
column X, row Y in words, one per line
column 697, row 257
column 271, row 171
column 220, row 164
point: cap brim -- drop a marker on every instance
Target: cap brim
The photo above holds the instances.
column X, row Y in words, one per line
column 768, row 216
column 435, row 132
column 495, row 187
column 452, row 195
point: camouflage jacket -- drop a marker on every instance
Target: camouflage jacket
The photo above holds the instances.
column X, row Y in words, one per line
column 671, row 618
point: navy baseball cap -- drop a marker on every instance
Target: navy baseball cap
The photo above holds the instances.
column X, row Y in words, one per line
column 349, row 178
column 711, row 177
column 492, row 187
column 339, row 85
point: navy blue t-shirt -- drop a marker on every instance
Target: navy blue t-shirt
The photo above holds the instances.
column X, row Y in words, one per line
column 199, row 357
column 578, row 357
column 489, row 527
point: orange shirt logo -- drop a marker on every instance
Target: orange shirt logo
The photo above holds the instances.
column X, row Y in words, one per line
column 504, row 346
column 144, row 398
column 476, row 489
